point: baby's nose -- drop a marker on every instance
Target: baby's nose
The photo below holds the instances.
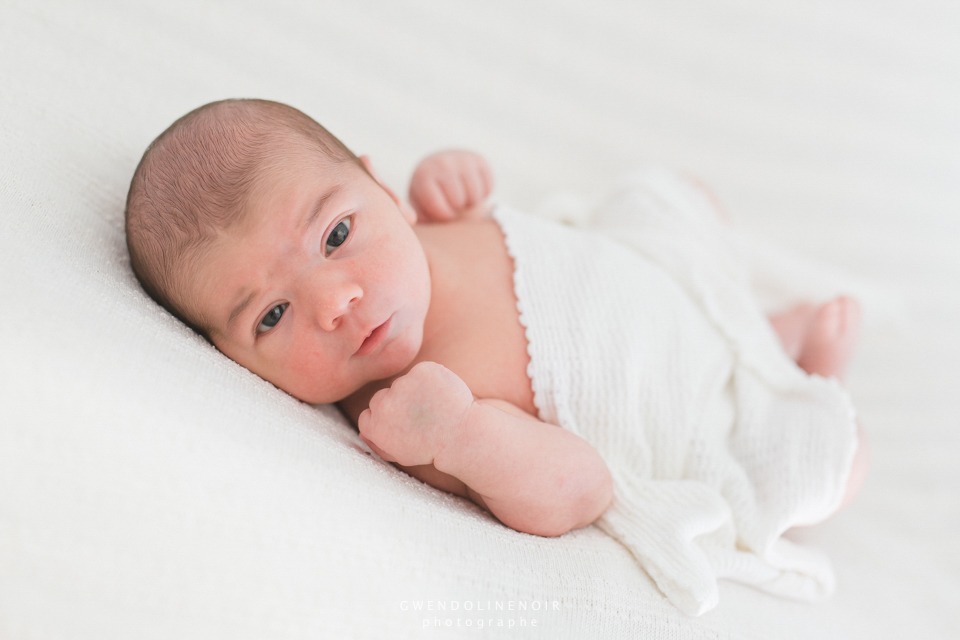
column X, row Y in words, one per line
column 335, row 300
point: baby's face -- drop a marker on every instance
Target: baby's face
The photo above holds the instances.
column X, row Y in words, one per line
column 324, row 286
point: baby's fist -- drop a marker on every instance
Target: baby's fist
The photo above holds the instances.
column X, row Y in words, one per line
column 450, row 184
column 418, row 416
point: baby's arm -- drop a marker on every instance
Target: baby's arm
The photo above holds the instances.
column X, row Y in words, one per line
column 533, row 476
column 451, row 185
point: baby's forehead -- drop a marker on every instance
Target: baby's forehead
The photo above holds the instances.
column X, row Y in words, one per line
column 293, row 170
column 219, row 276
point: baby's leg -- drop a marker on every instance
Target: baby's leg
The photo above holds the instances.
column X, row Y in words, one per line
column 829, row 343
column 820, row 339
column 792, row 327
column 858, row 473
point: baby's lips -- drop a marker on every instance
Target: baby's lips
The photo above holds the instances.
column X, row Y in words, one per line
column 374, row 338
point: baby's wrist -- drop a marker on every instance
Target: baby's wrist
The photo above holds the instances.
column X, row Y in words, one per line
column 464, row 437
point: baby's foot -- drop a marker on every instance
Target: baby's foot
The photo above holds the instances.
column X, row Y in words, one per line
column 830, row 338
column 792, row 327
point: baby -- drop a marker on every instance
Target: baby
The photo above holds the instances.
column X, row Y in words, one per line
column 264, row 233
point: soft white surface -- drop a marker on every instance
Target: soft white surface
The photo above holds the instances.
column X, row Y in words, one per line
column 151, row 488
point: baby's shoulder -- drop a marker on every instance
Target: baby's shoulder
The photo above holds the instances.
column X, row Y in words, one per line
column 453, row 247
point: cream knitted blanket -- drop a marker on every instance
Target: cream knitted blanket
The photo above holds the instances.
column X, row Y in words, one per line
column 646, row 341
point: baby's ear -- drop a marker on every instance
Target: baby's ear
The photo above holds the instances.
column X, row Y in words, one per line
column 408, row 213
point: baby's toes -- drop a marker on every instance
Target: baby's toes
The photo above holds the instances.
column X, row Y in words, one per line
column 839, row 319
column 851, row 314
column 830, row 341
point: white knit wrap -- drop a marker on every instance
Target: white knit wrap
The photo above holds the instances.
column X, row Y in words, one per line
column 645, row 340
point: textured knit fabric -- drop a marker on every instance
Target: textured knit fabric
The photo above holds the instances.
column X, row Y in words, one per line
column 646, row 341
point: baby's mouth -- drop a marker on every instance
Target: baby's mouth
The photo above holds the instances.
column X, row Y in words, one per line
column 373, row 340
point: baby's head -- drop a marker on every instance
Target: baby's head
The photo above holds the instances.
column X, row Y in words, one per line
column 259, row 229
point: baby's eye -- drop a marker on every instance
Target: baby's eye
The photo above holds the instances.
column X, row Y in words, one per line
column 339, row 235
column 272, row 318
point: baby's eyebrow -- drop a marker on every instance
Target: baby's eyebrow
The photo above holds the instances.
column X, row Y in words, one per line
column 318, row 207
column 239, row 309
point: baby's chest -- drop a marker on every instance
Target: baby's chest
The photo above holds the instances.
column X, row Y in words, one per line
column 473, row 326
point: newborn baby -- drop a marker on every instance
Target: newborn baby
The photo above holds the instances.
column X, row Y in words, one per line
column 265, row 234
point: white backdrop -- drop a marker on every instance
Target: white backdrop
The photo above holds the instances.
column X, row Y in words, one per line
column 151, row 488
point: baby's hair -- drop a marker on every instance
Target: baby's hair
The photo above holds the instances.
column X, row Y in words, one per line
column 194, row 182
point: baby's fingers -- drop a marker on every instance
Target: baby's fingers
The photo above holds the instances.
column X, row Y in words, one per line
column 480, row 180
column 487, row 176
column 378, row 398
column 455, row 192
column 367, row 425
column 475, row 189
column 430, row 202
column 377, row 450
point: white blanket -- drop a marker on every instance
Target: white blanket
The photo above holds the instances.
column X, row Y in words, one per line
column 151, row 488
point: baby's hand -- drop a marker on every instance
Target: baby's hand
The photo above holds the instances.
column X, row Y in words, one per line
column 450, row 184
column 413, row 420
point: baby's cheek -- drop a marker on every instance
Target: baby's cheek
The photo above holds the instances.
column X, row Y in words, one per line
column 311, row 377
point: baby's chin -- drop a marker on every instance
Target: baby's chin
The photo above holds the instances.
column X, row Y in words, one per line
column 397, row 359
